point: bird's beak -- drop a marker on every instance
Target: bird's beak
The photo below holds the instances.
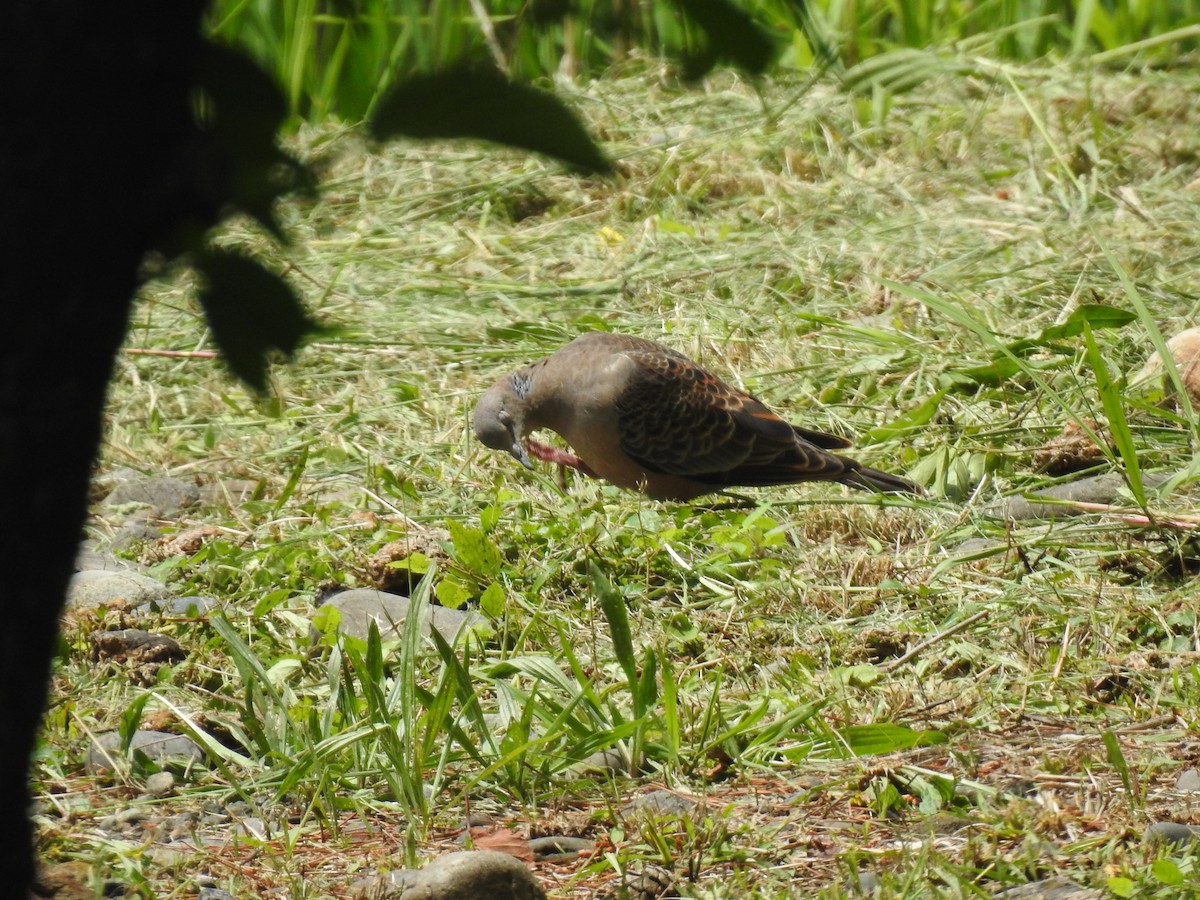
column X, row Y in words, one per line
column 520, row 454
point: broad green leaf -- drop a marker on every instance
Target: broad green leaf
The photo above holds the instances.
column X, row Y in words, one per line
column 1121, row 887
column 327, row 620
column 1088, row 315
column 909, row 422
column 612, row 604
column 672, row 227
column 417, row 563
column 452, row 593
column 1116, row 758
column 491, row 601
column 474, row 549
column 1166, row 871
column 1114, row 410
column 870, row 740
column 483, row 103
column 858, row 676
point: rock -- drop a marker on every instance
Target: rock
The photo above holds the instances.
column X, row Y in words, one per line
column 360, row 606
column 1174, row 833
column 1050, row 889
column 1188, row 780
column 160, row 746
column 466, row 875
column 1100, row 489
column 611, row 761
column 165, row 496
column 160, row 784
column 135, row 531
column 559, row 846
column 648, row 884
column 91, row 557
column 178, row 606
column 211, row 893
column 661, row 803
column 99, row 588
column 864, row 882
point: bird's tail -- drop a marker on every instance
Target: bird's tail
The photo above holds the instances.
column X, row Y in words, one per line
column 868, row 479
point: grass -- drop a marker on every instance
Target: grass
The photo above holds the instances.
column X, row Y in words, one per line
column 917, row 275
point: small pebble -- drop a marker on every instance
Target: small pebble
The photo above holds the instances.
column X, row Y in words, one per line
column 1174, row 833
column 160, row 784
column 559, row 846
column 1188, row 780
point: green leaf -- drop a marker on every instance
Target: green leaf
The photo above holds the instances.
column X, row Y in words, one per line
column 907, row 423
column 483, row 103
column 452, row 593
column 491, row 601
column 859, row 676
column 870, row 740
column 612, row 604
column 131, row 719
column 417, row 563
column 1116, row 758
column 474, row 549
column 327, row 620
column 1166, row 871
column 252, row 312
column 1118, row 426
column 1121, row 887
column 996, row 372
column 1089, row 315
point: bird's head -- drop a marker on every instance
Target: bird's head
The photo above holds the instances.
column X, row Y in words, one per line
column 500, row 418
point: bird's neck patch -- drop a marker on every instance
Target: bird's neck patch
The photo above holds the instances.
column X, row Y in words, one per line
column 521, row 383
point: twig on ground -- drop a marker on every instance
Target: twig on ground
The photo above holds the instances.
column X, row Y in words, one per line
column 940, row 636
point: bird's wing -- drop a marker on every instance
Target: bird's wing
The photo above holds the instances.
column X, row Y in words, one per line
column 677, row 418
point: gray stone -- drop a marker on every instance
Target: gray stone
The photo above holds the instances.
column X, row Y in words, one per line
column 610, row 761
column 360, row 606
column 160, row 784
column 466, row 875
column 1175, row 833
column 90, row 556
column 648, row 884
column 178, row 606
column 252, row 826
column 1188, row 780
column 559, row 846
column 211, row 893
column 96, row 588
column 135, row 531
column 661, row 803
column 1099, row 489
column 164, row 495
column 160, row 746
column 866, row 882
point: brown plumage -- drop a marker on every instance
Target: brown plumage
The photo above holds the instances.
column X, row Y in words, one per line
column 643, row 416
